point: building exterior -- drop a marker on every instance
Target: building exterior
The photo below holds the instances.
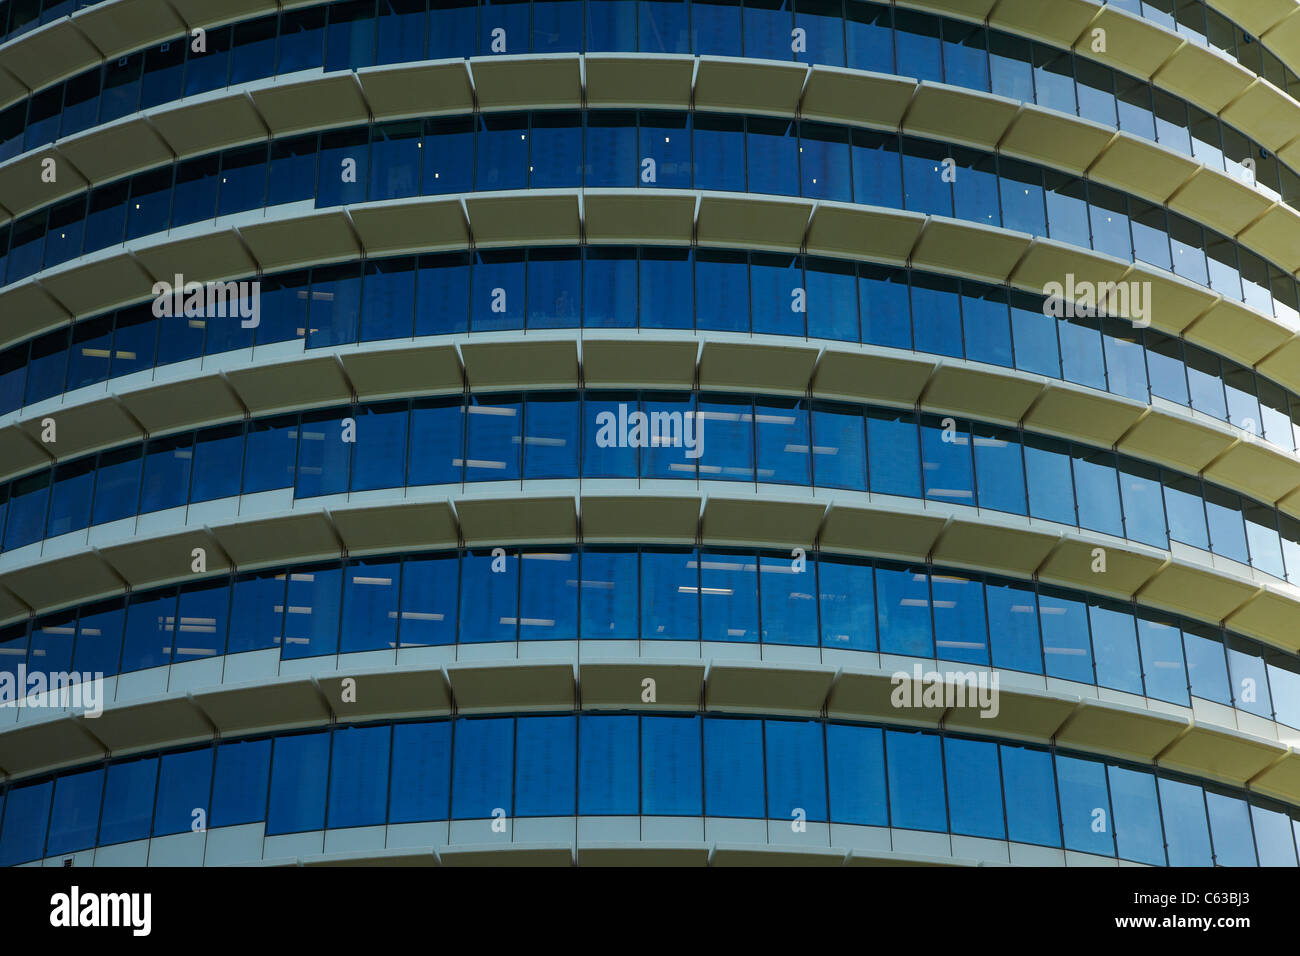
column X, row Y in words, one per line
column 649, row 432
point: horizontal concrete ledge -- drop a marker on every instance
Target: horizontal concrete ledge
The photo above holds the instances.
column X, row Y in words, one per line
column 321, row 691
column 649, row 854
column 273, row 530
column 273, row 379
column 1201, row 75
column 249, row 244
column 314, row 100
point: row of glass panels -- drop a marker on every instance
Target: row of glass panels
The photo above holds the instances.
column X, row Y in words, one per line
column 868, row 36
column 569, row 435
column 665, row 288
column 622, row 148
column 471, row 768
column 653, row 594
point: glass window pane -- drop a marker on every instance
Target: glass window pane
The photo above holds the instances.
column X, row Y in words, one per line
column 545, row 766
column 916, row 787
column 421, row 772
column 358, row 790
column 299, row 771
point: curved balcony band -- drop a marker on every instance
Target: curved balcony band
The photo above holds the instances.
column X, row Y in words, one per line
column 864, row 36
column 610, row 149
column 662, row 287
column 552, row 435
column 691, row 778
column 831, row 609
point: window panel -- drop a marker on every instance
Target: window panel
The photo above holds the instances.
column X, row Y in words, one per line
column 184, row 786
column 545, row 766
column 299, row 771
column 974, row 788
column 607, row 765
column 358, row 777
column 670, row 766
column 916, row 781
column 421, row 772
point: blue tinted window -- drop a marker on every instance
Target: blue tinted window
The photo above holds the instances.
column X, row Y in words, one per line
column 733, row 768
column 27, row 814
column 256, row 611
column 323, row 454
column 839, row 451
column 1273, row 837
column 1231, row 831
column 1013, row 627
column 788, row 594
column 974, row 788
column 484, row 759
column 1182, row 807
column 442, row 294
column 1067, row 645
column 666, row 286
column 1029, row 785
column 421, row 772
column 555, row 289
column 166, row 480
column 150, row 630
column 545, row 770
column 916, row 788
column 796, row 770
column 1162, row 660
column 358, row 790
column 1115, row 644
column 436, row 442
column 607, row 765
column 271, row 446
column 1047, row 469
column 722, row 290
column 945, row 462
column 299, row 770
column 608, row 588
column 217, row 463
column 855, row 769
column 903, row 612
column 313, row 628
column 488, row 598
column 548, row 596
column 960, row 625
column 728, row 423
column 847, row 603
column 781, row 431
column 184, row 782
column 388, row 299
column 999, row 468
column 1137, row 816
column 74, row 818
column 370, row 590
column 380, row 459
column 239, row 783
column 429, row 593
column 202, row 616
column 1085, row 806
column 99, row 638
column 128, row 801
column 894, row 455
column 728, row 597
column 670, row 766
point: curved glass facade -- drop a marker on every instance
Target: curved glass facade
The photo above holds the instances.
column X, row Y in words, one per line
column 455, row 569
column 859, row 35
column 607, row 593
column 666, row 287
column 739, row 438
column 607, row 148
column 616, row 764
